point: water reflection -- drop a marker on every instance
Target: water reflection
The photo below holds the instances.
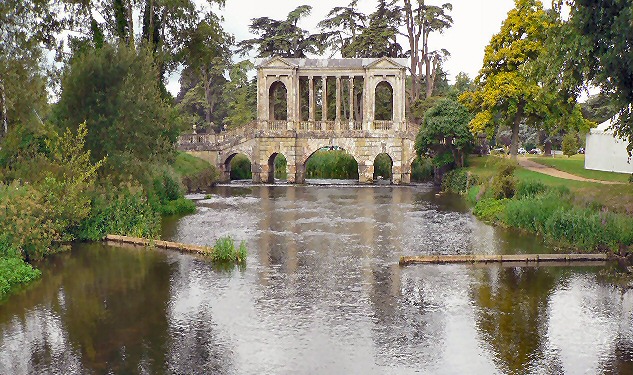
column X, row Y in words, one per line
column 322, row 293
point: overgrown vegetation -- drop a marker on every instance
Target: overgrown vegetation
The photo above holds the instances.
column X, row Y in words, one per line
column 332, row 164
column 224, row 251
column 551, row 211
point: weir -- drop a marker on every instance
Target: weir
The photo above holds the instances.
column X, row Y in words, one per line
column 306, row 123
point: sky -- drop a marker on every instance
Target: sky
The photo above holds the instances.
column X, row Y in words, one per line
column 475, row 22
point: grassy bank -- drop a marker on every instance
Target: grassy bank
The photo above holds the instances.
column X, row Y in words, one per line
column 570, row 215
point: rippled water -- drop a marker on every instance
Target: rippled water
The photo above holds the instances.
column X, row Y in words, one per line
column 322, row 294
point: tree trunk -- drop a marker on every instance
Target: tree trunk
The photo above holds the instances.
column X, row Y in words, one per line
column 207, row 94
column 514, row 144
column 3, row 103
column 130, row 24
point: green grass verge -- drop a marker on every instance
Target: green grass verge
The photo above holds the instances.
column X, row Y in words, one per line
column 576, row 166
column 188, row 165
column 617, row 198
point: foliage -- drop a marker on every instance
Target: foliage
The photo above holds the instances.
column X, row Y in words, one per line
column 13, row 272
column 490, row 210
column 206, row 53
column 529, row 188
column 281, row 165
column 421, row 20
column 503, row 185
column 597, row 49
column 510, row 89
column 379, row 37
column 114, row 91
column 224, row 251
column 342, row 26
column 196, row 174
column 241, row 168
column 282, row 37
column 241, row 96
column 119, row 211
column 598, row 108
column 459, row 181
column 421, row 170
column 382, row 166
column 570, row 144
column 332, row 164
column 445, row 130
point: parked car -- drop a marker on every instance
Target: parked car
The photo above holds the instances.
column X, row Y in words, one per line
column 521, row 151
column 498, row 151
column 535, row 151
column 581, row 150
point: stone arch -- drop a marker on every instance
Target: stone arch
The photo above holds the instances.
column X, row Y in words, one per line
column 383, row 167
column 278, row 104
column 307, row 155
column 384, row 103
column 272, row 168
column 226, row 166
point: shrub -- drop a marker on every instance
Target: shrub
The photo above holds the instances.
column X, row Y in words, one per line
column 224, row 251
column 530, row 189
column 122, row 212
column 570, row 144
column 422, row 170
column 201, row 181
column 13, row 272
column 490, row 210
column 503, row 185
column 241, row 168
column 459, row 181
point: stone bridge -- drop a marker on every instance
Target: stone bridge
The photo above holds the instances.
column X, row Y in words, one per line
column 290, row 122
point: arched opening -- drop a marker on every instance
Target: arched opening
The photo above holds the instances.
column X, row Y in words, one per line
column 384, row 102
column 331, row 163
column 277, row 167
column 278, row 101
column 239, row 167
column 383, row 165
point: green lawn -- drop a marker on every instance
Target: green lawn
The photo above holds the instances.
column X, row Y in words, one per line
column 576, row 165
column 188, row 165
column 614, row 197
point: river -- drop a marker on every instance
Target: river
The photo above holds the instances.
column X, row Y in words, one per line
column 322, row 293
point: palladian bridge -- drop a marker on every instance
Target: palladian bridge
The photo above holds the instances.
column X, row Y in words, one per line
column 294, row 118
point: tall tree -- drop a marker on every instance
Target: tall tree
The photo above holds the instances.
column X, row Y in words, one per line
column 421, row 20
column 508, row 91
column 241, row 96
column 379, row 38
column 598, row 49
column 26, row 27
column 207, row 53
column 342, row 26
column 115, row 92
column 283, row 37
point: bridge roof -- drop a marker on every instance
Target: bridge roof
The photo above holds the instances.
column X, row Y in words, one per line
column 359, row 63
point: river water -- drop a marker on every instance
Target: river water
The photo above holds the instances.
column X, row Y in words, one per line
column 322, row 293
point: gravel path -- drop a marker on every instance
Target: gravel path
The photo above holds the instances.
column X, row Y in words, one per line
column 540, row 168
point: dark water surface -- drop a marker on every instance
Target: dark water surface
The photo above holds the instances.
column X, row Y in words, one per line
column 322, row 294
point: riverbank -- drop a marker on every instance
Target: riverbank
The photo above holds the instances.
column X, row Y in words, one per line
column 570, row 215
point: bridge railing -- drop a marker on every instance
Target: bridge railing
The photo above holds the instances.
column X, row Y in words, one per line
column 383, row 125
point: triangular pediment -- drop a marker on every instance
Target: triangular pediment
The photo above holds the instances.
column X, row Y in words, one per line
column 276, row 62
column 385, row 63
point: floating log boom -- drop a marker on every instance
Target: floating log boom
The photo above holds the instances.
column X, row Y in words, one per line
column 159, row 244
column 512, row 258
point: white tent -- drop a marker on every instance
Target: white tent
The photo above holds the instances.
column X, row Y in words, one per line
column 605, row 152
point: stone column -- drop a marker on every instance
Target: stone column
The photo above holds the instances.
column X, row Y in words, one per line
column 324, row 101
column 311, row 99
column 366, row 172
column 368, row 102
column 351, row 102
column 338, row 98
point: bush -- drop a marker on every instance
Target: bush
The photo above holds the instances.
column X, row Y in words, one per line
column 122, row 212
column 422, row 170
column 201, row 181
column 241, row 168
column 459, row 181
column 13, row 272
column 490, row 210
column 224, row 251
column 503, row 185
column 332, row 164
column 570, row 144
column 530, row 189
